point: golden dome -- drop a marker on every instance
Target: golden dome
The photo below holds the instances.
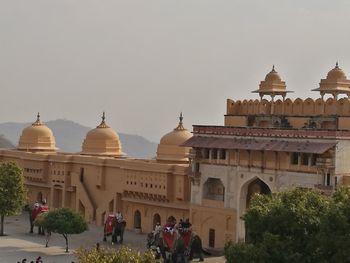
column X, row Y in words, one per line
column 335, row 82
column 336, row 74
column 102, row 140
column 37, row 137
column 272, row 85
column 169, row 148
column 273, row 76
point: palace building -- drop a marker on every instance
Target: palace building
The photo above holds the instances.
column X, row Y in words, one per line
column 101, row 179
column 268, row 145
column 265, row 145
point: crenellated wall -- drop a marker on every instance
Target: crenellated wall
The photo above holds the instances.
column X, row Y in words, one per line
column 298, row 107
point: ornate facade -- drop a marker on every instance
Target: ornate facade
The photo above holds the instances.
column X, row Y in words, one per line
column 266, row 146
column 101, row 179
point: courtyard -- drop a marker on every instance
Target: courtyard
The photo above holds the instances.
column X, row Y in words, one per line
column 20, row 244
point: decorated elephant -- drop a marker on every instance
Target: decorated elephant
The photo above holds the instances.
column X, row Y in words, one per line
column 174, row 246
column 114, row 228
column 35, row 211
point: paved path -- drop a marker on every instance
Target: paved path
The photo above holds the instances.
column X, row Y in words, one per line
column 20, row 244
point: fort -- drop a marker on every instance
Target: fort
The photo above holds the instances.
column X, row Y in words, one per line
column 208, row 176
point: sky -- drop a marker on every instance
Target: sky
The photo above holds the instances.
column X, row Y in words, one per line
column 145, row 61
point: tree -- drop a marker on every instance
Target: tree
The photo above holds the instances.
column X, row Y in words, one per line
column 12, row 191
column 122, row 255
column 334, row 235
column 64, row 221
column 282, row 227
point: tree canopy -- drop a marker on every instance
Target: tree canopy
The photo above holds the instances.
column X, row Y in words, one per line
column 295, row 226
column 64, row 221
column 12, row 191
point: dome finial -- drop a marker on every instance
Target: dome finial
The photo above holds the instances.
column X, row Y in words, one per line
column 336, row 65
column 180, row 126
column 181, row 118
column 103, row 116
column 273, row 67
column 38, row 121
column 103, row 123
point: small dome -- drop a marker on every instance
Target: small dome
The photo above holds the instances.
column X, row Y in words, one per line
column 170, row 149
column 273, row 76
column 102, row 140
column 335, row 83
column 272, row 85
column 37, row 137
column 336, row 74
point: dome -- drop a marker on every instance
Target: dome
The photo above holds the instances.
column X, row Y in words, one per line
column 169, row 147
column 273, row 76
column 272, row 85
column 102, row 140
column 335, row 83
column 37, row 137
column 336, row 74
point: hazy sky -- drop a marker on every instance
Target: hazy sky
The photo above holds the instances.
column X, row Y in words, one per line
column 145, row 61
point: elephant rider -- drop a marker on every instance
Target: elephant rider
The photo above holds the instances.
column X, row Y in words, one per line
column 157, row 229
column 187, row 225
column 43, row 207
column 119, row 217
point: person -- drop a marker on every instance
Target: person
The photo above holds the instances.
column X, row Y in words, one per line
column 24, row 260
column 157, row 229
column 187, row 225
column 119, row 217
column 180, row 224
column 33, row 214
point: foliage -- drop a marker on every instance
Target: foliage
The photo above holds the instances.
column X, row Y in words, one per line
column 64, row 221
column 122, row 255
column 12, row 191
column 282, row 227
column 334, row 236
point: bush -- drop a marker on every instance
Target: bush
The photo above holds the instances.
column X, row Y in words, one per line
column 122, row 255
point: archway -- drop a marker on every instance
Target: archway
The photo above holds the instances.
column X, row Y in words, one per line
column 156, row 219
column 256, row 187
column 137, row 219
column 39, row 197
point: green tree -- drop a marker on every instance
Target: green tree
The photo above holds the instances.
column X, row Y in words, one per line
column 122, row 255
column 64, row 221
column 334, row 235
column 282, row 227
column 12, row 191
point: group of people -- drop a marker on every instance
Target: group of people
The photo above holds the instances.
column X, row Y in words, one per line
column 172, row 225
column 38, row 260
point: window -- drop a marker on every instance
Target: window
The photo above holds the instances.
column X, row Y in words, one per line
column 214, row 154
column 294, row 158
column 328, row 180
column 223, row 154
column 305, row 159
column 314, row 159
column 206, row 153
column 196, row 167
column 211, row 237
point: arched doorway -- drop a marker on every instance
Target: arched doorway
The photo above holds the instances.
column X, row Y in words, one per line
column 256, row 187
column 156, row 219
column 137, row 219
column 39, row 197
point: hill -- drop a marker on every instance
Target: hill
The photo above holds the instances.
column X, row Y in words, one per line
column 69, row 137
column 4, row 143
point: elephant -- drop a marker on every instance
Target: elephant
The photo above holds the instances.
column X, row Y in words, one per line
column 114, row 228
column 179, row 252
column 34, row 213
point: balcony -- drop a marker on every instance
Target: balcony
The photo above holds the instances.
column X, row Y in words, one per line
column 324, row 162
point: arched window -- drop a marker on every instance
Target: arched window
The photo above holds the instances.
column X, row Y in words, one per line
column 156, row 219
column 137, row 219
